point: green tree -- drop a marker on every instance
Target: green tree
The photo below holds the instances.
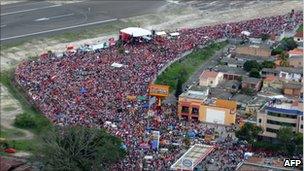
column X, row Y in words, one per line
column 268, row 64
column 291, row 143
column 284, row 59
column 285, row 136
column 277, row 50
column 25, row 120
column 248, row 132
column 255, row 73
column 249, row 65
column 179, row 87
column 288, row 44
column 298, row 140
column 78, row 148
column 265, row 36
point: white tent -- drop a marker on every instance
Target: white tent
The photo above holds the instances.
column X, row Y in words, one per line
column 160, row 33
column 246, row 33
column 98, row 46
column 136, row 31
column 117, row 65
column 174, row 34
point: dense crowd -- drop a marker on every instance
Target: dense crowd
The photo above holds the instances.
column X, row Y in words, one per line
column 83, row 88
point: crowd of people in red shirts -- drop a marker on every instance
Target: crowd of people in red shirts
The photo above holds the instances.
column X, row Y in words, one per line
column 83, row 88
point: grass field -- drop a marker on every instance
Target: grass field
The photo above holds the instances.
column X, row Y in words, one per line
column 23, row 145
column 10, row 133
column 187, row 66
column 40, row 120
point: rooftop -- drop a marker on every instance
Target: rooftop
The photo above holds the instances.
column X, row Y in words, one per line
column 270, row 78
column 230, row 70
column 296, row 57
column 294, row 108
column 298, row 70
column 199, row 95
column 284, row 69
column 241, row 98
column 242, row 57
column 229, row 84
column 262, row 164
column 229, row 104
column 220, row 93
column 209, row 74
column 233, row 61
column 296, row 52
column 192, row 157
column 299, row 34
column 293, row 85
column 251, row 80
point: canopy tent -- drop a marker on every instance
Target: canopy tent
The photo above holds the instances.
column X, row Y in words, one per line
column 117, row 65
column 246, row 33
column 136, row 31
column 160, row 33
column 99, row 46
column 174, row 34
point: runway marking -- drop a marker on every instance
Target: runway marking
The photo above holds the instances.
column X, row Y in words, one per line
column 59, row 29
column 18, row 5
column 33, row 9
column 2, row 26
column 54, row 17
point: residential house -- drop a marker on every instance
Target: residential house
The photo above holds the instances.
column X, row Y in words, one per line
column 288, row 73
column 275, row 115
column 231, row 73
column 272, row 81
column 232, row 62
column 193, row 105
column 296, row 61
column 293, row 89
column 295, row 52
column 210, row 78
column 253, row 83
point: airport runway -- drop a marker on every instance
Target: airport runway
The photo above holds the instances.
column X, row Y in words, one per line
column 39, row 18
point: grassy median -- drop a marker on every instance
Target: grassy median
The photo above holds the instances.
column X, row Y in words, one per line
column 188, row 65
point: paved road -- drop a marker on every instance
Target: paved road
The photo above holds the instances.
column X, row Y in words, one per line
column 34, row 18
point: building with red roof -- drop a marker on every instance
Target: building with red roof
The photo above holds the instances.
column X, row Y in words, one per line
column 210, row 78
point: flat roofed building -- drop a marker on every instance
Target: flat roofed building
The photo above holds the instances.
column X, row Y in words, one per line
column 275, row 115
column 192, row 157
column 293, row 89
column 195, row 106
column 251, row 82
column 254, row 50
column 263, row 164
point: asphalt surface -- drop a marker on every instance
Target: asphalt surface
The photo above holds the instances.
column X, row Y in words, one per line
column 28, row 19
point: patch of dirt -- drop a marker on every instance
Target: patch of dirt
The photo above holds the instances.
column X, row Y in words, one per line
column 192, row 14
column 8, row 116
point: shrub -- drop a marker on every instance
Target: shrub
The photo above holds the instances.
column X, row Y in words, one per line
column 35, row 122
column 25, row 120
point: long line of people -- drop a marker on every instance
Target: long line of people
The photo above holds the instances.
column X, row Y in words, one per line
column 83, row 88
